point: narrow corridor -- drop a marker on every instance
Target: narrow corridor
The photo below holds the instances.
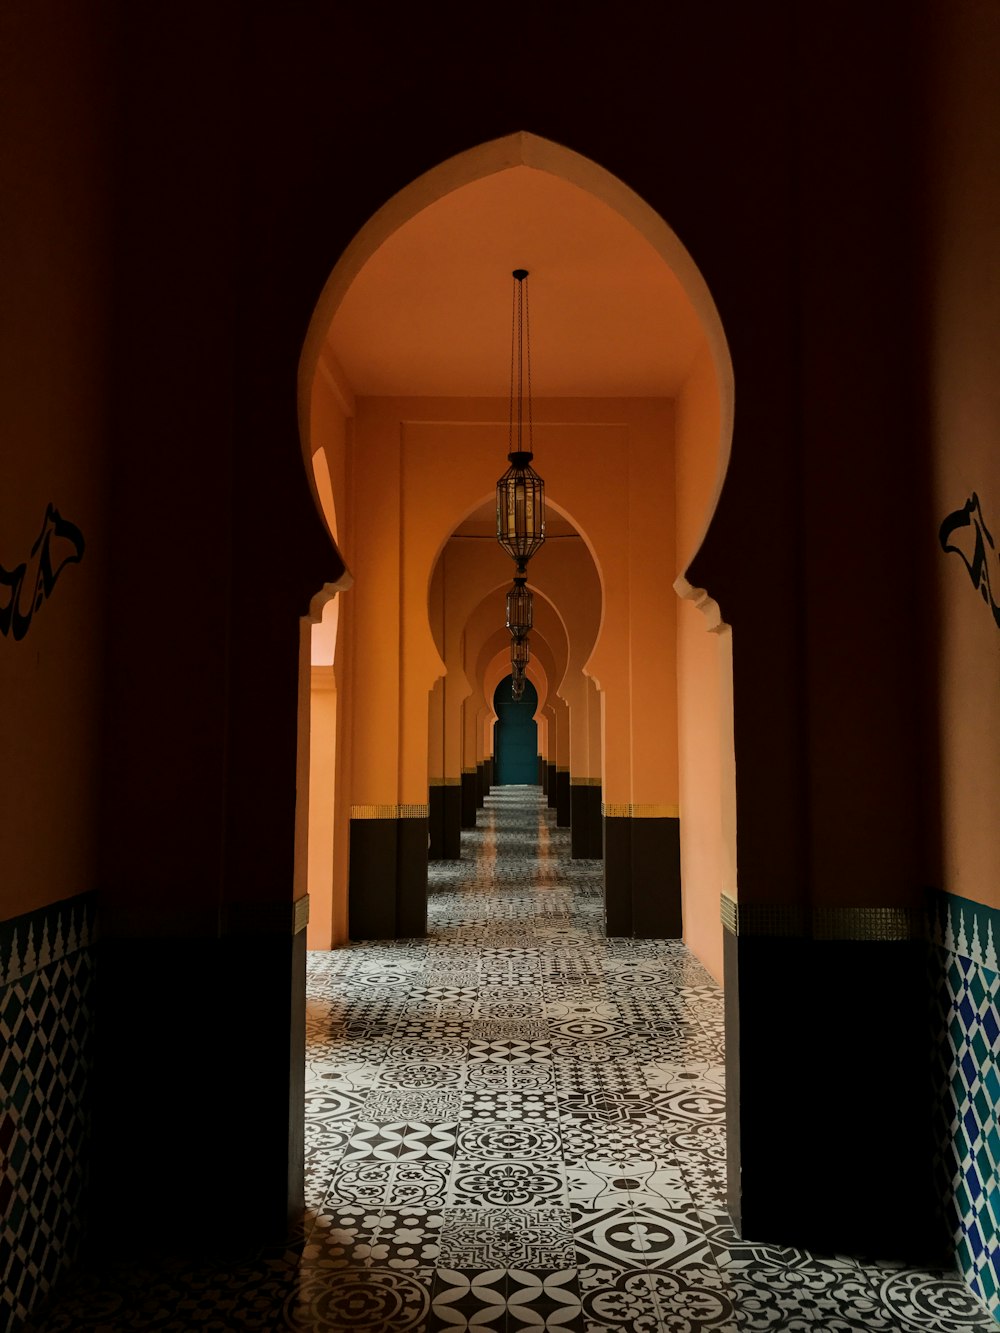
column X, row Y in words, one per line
column 518, row 1123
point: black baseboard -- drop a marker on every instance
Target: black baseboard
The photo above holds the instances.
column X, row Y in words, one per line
column 471, row 784
column 586, row 837
column 435, row 821
column 562, row 798
column 595, row 824
column 840, row 1026
column 170, row 1071
column 552, row 789
column 642, row 877
column 387, row 880
column 452, row 822
column 445, row 822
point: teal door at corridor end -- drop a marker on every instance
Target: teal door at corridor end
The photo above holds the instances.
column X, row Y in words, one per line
column 515, row 735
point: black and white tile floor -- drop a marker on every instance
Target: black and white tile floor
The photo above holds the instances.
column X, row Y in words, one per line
column 517, row 1123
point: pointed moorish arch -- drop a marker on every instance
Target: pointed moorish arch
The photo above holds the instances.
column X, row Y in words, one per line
column 713, row 442
column 520, row 149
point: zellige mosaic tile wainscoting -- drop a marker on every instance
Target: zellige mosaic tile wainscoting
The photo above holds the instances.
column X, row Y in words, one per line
column 46, row 1038
column 965, row 937
column 517, row 1123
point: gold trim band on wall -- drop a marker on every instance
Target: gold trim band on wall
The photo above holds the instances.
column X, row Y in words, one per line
column 445, row 782
column 793, row 920
column 390, row 811
column 469, row 772
column 617, row 810
column 584, row 782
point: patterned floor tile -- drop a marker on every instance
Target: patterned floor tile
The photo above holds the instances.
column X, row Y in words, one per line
column 608, row 1237
column 624, row 1183
column 535, row 1238
column 417, row 1075
column 626, row 1142
column 391, row 1184
column 385, row 1105
column 506, row 1141
column 372, row 1300
column 515, row 1123
column 539, row 1183
column 671, row 1238
column 527, row 1105
column 621, row 1300
column 506, row 1298
column 401, row 1141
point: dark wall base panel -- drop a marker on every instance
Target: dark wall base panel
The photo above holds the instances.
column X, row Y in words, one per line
column 387, row 893
column 471, row 786
column 452, row 823
column 562, row 800
column 446, row 821
column 435, row 822
column 480, row 786
column 595, row 824
column 842, row 1026
column 579, row 821
column 170, row 1071
column 586, row 837
column 642, row 877
column 411, row 877
column 552, row 790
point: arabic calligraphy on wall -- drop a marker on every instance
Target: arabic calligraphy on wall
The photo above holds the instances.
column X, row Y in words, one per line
column 25, row 588
column 966, row 535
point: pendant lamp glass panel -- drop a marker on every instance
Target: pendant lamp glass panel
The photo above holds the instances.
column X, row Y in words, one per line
column 519, row 608
column 520, row 510
column 519, row 654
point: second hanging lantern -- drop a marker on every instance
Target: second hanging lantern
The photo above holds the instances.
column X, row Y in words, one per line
column 519, row 607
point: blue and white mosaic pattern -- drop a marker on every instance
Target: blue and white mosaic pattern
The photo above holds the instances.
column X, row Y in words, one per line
column 517, row 1123
column 964, row 937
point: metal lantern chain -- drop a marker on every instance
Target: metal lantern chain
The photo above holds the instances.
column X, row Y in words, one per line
column 520, row 491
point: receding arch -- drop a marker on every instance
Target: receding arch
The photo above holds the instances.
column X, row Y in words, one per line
column 419, row 498
column 520, row 149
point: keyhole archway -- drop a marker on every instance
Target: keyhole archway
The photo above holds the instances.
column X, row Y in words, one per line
column 398, row 395
column 515, row 745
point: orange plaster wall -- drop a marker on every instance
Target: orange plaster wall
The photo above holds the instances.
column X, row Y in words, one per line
column 332, row 410
column 403, row 450
column 322, row 791
column 698, row 676
column 964, row 387
column 55, row 424
column 653, row 637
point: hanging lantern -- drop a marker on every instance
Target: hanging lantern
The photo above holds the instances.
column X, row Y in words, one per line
column 517, row 679
column 520, row 491
column 519, row 655
column 519, row 607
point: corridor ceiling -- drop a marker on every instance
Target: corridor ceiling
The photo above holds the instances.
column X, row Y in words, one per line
column 430, row 312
